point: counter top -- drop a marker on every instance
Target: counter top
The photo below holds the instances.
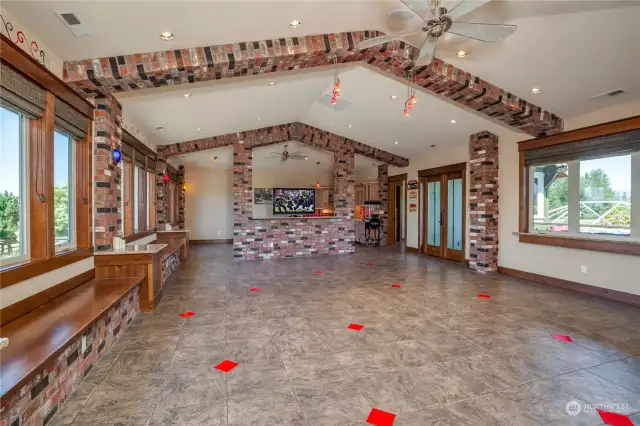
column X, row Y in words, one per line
column 133, row 249
column 162, row 231
column 285, row 218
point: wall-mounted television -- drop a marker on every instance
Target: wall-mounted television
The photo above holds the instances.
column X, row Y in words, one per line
column 294, row 201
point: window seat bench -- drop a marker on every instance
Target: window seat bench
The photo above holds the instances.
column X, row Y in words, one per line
column 52, row 347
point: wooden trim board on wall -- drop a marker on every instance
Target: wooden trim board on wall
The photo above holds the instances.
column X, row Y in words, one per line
column 616, row 296
column 219, row 241
column 458, row 167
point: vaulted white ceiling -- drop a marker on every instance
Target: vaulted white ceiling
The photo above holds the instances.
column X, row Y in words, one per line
column 570, row 49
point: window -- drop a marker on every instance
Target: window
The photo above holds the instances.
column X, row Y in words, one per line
column 14, row 240
column 140, row 183
column 63, row 191
column 577, row 188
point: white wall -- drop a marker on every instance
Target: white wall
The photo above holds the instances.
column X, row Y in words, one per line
column 611, row 271
column 209, row 203
column 52, row 61
column 20, row 291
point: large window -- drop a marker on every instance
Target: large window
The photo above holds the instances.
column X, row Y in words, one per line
column 140, row 185
column 13, row 188
column 63, row 191
column 578, row 188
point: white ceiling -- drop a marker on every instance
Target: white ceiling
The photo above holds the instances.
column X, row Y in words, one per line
column 571, row 49
column 263, row 159
column 365, row 104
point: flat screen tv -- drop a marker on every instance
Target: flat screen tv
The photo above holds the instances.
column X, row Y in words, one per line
column 293, row 201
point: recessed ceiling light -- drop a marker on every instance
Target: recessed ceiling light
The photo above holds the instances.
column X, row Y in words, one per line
column 272, row 83
column 349, row 126
column 159, row 129
column 259, row 118
column 433, row 146
column 535, row 90
column 186, row 95
column 453, row 122
column 461, row 54
column 306, row 158
column 395, row 142
column 394, row 98
column 199, row 129
column 166, row 35
column 294, row 24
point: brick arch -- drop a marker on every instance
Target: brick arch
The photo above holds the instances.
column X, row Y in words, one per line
column 156, row 69
column 300, row 132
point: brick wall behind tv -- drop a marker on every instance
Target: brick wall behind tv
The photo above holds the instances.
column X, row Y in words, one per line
column 292, row 237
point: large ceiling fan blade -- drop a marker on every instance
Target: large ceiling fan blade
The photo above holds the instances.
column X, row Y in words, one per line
column 426, row 53
column 463, row 7
column 422, row 8
column 482, row 32
column 387, row 38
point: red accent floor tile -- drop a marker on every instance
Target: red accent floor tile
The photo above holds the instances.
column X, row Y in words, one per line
column 614, row 419
column 484, row 296
column 380, row 418
column 254, row 289
column 427, row 269
column 187, row 314
column 369, row 263
column 226, row 365
column 396, row 286
column 562, row 338
column 319, row 272
column 356, row 327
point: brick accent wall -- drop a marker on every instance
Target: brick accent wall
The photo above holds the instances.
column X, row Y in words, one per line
column 292, row 237
column 38, row 400
column 108, row 123
column 483, row 202
column 146, row 70
column 383, row 196
column 181, row 197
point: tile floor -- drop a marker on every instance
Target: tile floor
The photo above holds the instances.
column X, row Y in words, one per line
column 432, row 352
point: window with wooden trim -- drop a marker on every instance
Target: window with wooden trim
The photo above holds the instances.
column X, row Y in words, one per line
column 14, row 202
column 63, row 191
column 583, row 187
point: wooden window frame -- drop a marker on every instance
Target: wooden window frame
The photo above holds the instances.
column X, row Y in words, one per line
column 575, row 242
column 41, row 234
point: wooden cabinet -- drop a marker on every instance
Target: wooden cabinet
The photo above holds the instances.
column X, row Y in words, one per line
column 366, row 191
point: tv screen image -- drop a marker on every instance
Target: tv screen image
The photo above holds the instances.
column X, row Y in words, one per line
column 292, row 201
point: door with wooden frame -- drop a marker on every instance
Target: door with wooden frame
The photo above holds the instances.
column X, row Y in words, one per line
column 444, row 213
column 395, row 221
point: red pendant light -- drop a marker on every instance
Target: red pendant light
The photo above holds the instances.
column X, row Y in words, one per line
column 166, row 177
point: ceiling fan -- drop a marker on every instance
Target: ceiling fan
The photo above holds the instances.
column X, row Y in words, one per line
column 440, row 20
column 286, row 155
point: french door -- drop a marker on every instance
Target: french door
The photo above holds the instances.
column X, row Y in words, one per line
column 443, row 213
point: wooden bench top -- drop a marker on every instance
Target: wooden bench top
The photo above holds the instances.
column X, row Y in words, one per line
column 45, row 332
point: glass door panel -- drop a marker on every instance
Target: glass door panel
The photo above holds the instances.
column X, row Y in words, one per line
column 433, row 214
column 454, row 214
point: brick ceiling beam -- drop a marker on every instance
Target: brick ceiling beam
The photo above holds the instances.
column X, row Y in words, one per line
column 156, row 69
column 300, row 132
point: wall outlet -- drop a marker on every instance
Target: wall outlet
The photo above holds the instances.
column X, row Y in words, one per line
column 583, row 269
column 83, row 345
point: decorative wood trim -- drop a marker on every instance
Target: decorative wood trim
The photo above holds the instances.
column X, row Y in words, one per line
column 17, row 273
column 459, row 167
column 523, row 189
column 84, row 174
column 29, row 304
column 139, row 235
column 123, row 259
column 398, row 178
column 597, row 130
column 127, row 185
column 20, row 60
column 37, row 184
column 49, row 121
column 617, row 247
column 134, row 143
column 617, row 296
column 218, row 241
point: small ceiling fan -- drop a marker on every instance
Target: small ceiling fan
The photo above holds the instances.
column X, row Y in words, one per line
column 286, row 155
column 440, row 20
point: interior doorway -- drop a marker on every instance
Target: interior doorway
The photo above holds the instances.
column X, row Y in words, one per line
column 396, row 209
column 444, row 212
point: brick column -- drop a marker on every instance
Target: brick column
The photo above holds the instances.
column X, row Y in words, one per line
column 243, row 231
column 483, row 202
column 181, row 197
column 344, row 184
column 383, row 196
column 108, row 217
column 161, row 190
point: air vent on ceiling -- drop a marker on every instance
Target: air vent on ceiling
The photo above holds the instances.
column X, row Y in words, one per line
column 606, row 95
column 72, row 22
